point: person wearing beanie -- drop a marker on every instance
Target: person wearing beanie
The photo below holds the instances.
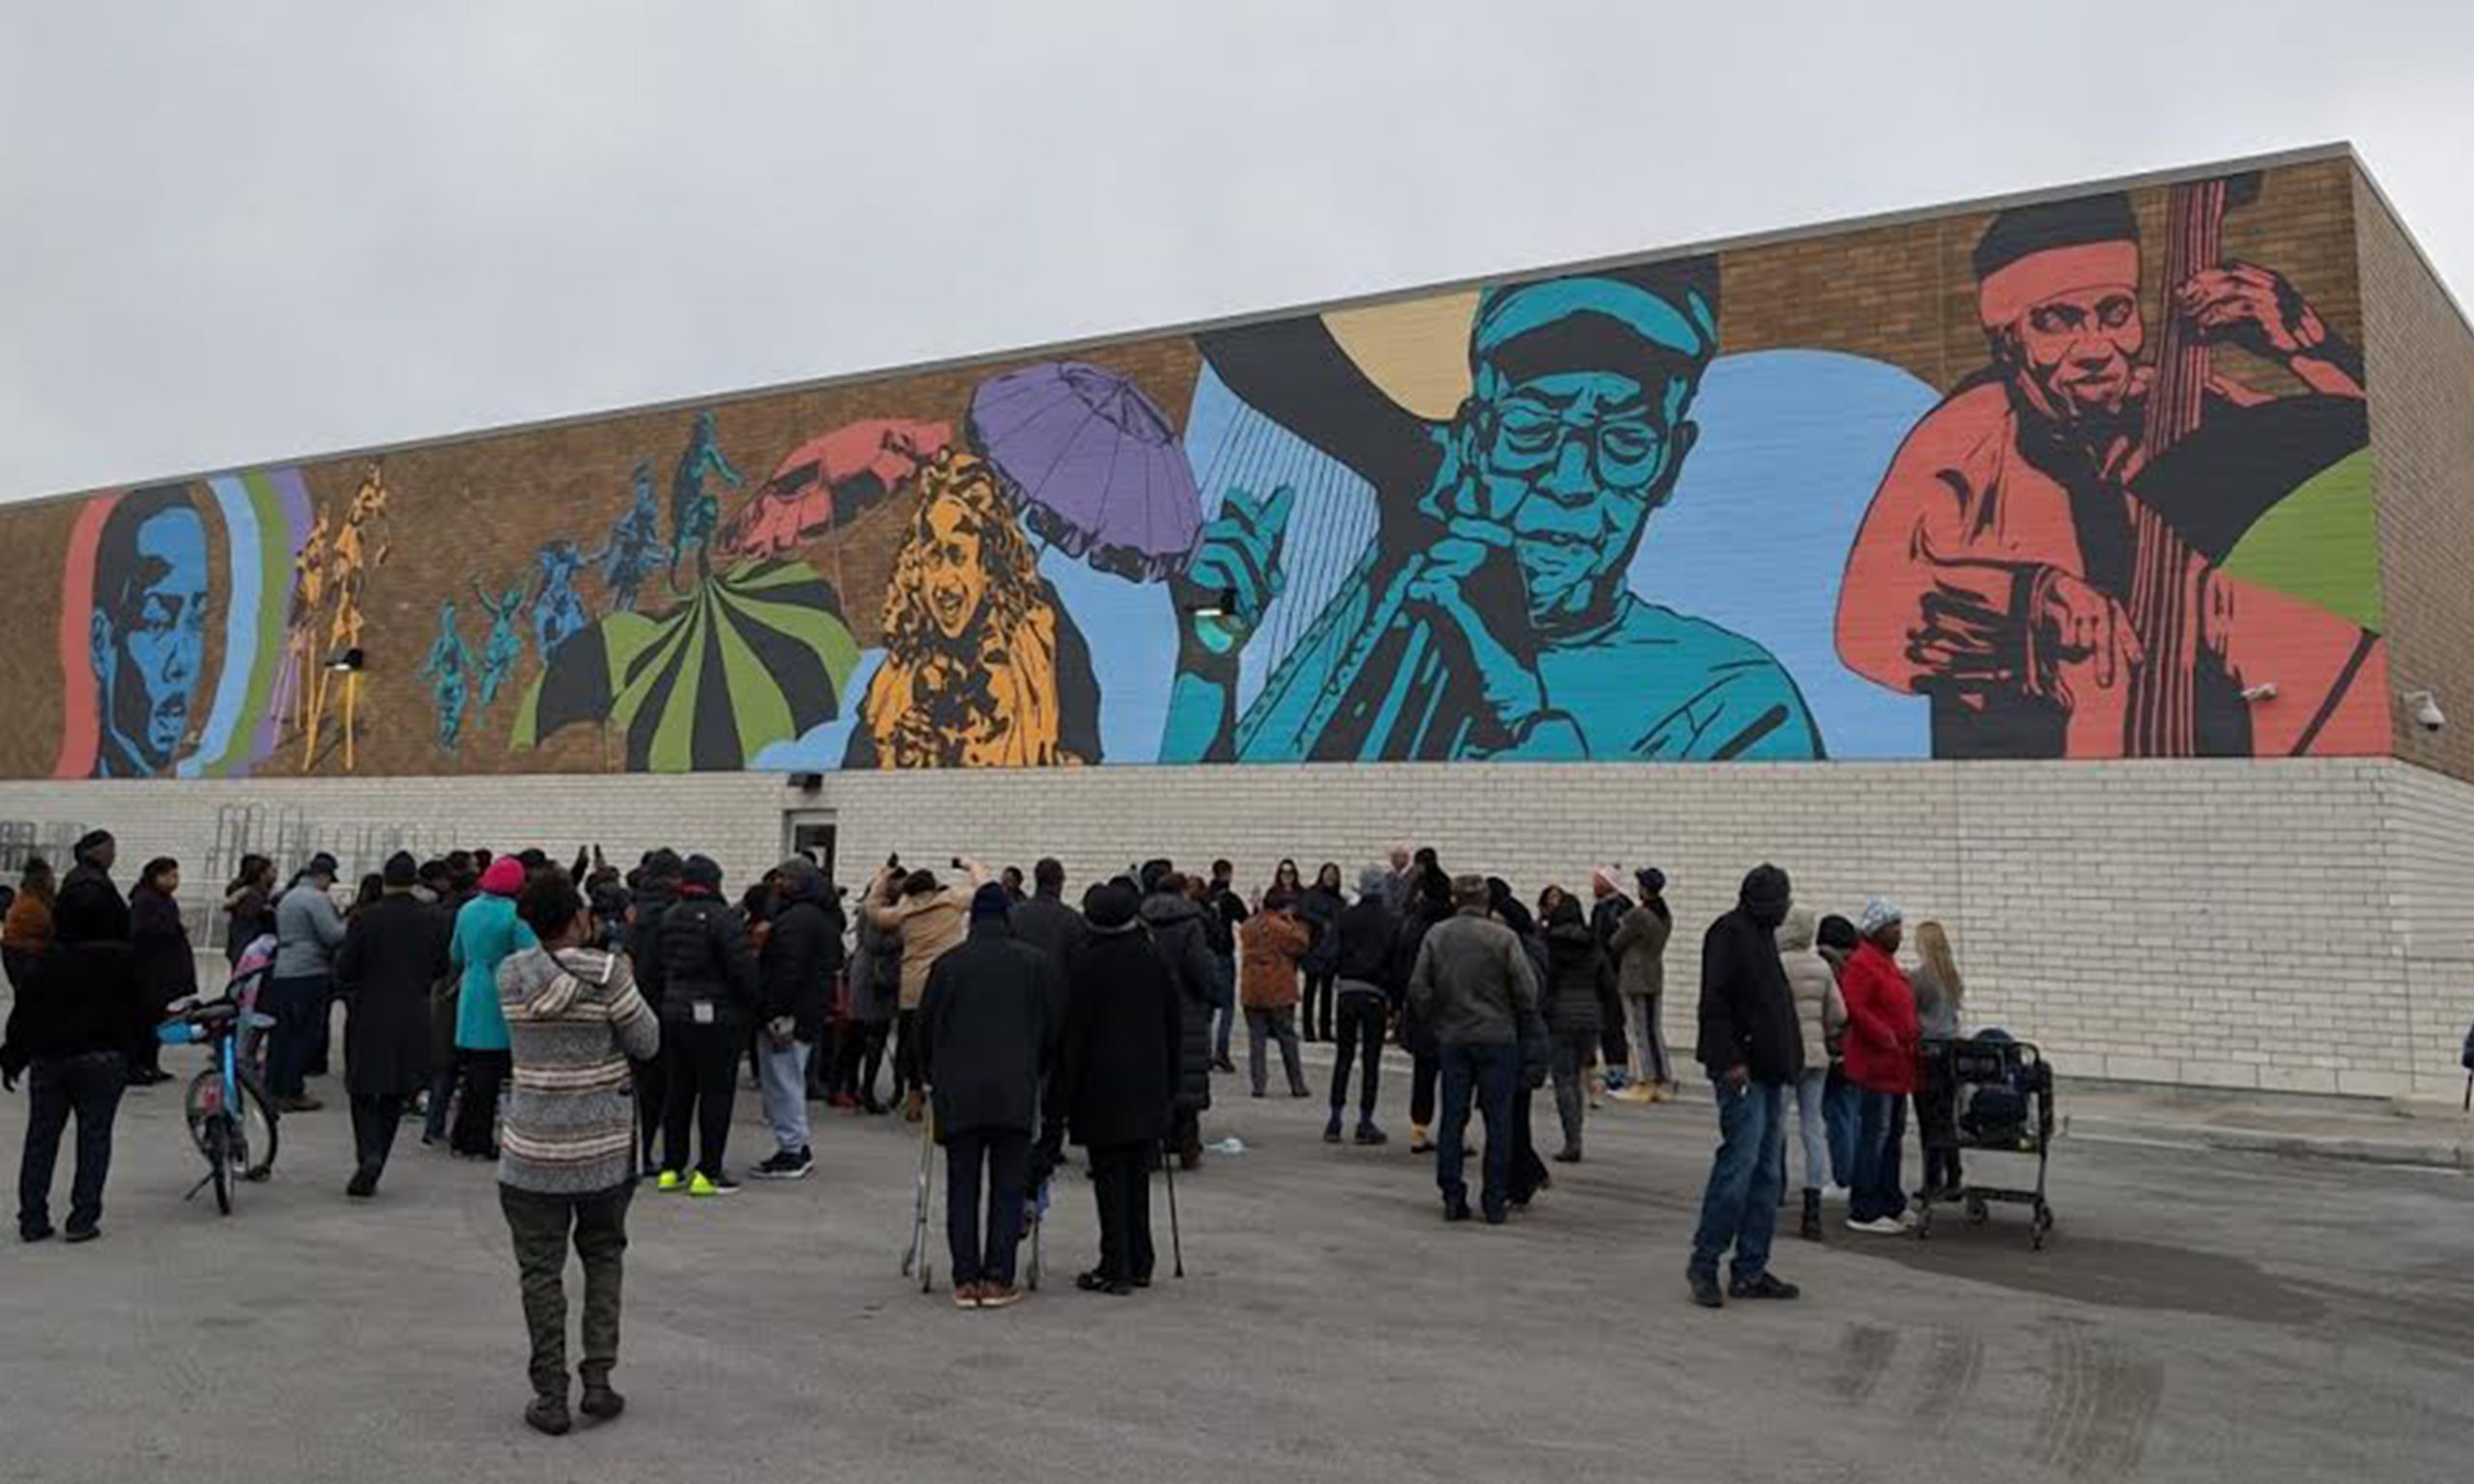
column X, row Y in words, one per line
column 801, row 959
column 1473, row 986
column 931, row 919
column 1118, row 1063
column 76, row 1011
column 1606, row 908
column 486, row 931
column 1578, row 977
column 990, row 1023
column 1361, row 955
column 1842, row 1101
column 1753, row 1051
column 653, row 890
column 575, row 1025
column 393, row 952
column 710, row 994
column 1882, row 1045
column 1638, row 949
column 166, row 963
column 91, row 861
column 307, row 931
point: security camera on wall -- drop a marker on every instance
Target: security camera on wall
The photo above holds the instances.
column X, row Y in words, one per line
column 2425, row 712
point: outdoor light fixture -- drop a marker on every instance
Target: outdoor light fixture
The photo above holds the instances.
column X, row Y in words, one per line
column 347, row 662
column 2427, row 713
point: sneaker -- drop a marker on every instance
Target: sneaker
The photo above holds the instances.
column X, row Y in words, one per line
column 704, row 1185
column 549, row 1414
column 669, row 1182
column 998, row 1296
column 1223, row 1063
column 600, row 1403
column 1332, row 1130
column 35, row 1233
column 79, row 1234
column 1570, row 1153
column 1878, row 1226
column 1704, row 1288
column 1421, row 1139
column 1368, row 1134
column 785, row 1165
column 1766, row 1285
column 300, row 1104
column 1909, row 1221
column 1455, row 1210
column 966, row 1295
column 362, row 1185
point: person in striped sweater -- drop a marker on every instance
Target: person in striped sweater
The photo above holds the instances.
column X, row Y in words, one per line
column 568, row 1147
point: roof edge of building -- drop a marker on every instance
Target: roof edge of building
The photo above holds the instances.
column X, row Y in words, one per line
column 1873, row 222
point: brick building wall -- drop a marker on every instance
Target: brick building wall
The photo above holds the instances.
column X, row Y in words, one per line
column 2300, row 925
column 2421, row 365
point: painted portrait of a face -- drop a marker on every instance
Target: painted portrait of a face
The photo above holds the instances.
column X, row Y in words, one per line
column 147, row 634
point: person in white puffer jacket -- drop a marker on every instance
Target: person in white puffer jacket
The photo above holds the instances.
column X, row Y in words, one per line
column 1820, row 1014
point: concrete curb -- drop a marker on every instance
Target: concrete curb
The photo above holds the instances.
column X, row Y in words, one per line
column 2420, row 1153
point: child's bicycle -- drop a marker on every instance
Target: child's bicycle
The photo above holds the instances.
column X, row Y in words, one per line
column 228, row 1114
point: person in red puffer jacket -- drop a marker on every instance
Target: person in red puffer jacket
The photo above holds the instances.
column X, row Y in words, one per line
column 1882, row 1044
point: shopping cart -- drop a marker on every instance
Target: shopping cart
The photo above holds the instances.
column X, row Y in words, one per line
column 1998, row 1097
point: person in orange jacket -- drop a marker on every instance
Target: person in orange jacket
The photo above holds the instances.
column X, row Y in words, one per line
column 1270, row 943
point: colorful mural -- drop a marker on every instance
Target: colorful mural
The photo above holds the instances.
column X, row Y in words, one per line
column 1790, row 502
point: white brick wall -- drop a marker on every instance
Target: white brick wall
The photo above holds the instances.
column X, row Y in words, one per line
column 2303, row 925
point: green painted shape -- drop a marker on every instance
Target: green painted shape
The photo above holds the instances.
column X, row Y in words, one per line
column 2321, row 544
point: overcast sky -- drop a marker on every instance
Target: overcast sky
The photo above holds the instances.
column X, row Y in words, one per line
column 232, row 233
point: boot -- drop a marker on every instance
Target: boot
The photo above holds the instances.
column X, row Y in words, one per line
column 1811, row 1229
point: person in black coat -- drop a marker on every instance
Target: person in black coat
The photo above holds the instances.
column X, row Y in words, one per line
column 1429, row 904
column 989, row 1021
column 68, row 1035
column 1177, row 923
column 393, row 952
column 708, row 999
column 655, row 888
column 801, row 956
column 1117, row 1075
column 1044, row 922
column 166, row 967
column 1752, row 1046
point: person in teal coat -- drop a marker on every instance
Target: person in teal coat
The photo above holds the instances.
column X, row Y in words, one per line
column 486, row 932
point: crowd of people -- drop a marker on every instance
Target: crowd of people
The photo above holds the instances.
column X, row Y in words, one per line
column 585, row 1029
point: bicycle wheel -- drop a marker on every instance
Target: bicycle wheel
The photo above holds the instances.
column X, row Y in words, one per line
column 218, row 1161
column 254, row 1132
column 201, row 1107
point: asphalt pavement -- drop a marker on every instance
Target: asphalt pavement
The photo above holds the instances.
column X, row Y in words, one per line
column 2200, row 1314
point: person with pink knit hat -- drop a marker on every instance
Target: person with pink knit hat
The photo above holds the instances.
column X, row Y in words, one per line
column 487, row 931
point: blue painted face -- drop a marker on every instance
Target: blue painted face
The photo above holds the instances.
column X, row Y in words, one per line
column 1574, row 462
column 150, row 647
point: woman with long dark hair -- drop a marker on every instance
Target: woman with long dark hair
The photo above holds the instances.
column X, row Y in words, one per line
column 1320, row 909
column 248, row 906
column 166, row 968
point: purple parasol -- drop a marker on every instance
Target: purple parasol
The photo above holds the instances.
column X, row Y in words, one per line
column 1093, row 464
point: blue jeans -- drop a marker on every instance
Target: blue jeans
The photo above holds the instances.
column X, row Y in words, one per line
column 1881, row 1131
column 87, row 1086
column 784, row 1074
column 1487, row 1073
column 1739, row 1209
column 1842, row 1103
column 1811, row 1092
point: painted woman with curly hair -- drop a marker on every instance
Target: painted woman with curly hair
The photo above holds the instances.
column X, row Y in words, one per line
column 982, row 669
